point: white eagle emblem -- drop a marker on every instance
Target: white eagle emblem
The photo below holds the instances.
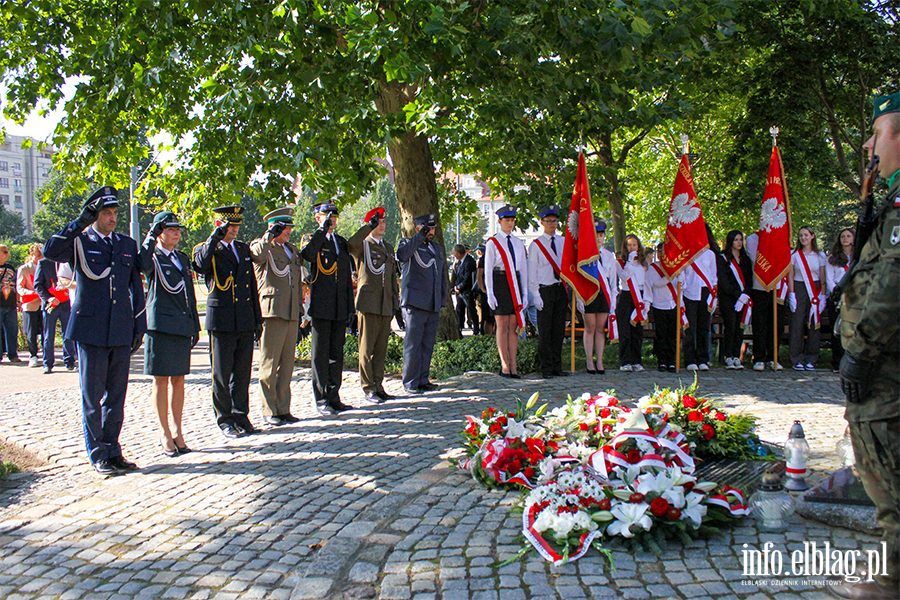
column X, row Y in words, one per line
column 772, row 216
column 572, row 224
column 683, row 211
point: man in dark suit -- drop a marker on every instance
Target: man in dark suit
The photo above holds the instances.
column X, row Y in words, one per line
column 423, row 291
column 464, row 286
column 107, row 323
column 330, row 307
column 233, row 319
column 377, row 296
column 57, row 307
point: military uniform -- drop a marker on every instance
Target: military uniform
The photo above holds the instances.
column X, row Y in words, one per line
column 278, row 279
column 423, row 291
column 330, row 307
column 377, row 297
column 869, row 325
column 232, row 320
column 107, row 324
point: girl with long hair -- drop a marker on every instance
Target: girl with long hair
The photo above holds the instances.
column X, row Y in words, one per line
column 631, row 311
column 806, row 299
column 835, row 269
column 735, row 274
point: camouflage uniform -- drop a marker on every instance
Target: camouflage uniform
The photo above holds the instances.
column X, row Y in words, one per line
column 870, row 319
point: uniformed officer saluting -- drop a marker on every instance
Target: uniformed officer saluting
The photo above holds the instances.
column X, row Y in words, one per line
column 423, row 291
column 277, row 264
column 233, row 319
column 330, row 306
column 107, row 321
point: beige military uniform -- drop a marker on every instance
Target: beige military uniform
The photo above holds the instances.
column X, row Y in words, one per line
column 377, row 297
column 277, row 269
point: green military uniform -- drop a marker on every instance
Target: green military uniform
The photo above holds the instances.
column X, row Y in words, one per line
column 869, row 324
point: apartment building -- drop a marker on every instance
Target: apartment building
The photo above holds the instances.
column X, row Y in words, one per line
column 22, row 172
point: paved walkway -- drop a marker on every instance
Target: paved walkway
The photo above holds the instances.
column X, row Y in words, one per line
column 363, row 505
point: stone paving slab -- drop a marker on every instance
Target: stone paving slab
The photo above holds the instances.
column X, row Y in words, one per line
column 362, row 505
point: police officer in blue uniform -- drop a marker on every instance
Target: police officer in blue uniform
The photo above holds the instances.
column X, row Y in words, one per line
column 233, row 319
column 330, row 306
column 423, row 291
column 107, row 321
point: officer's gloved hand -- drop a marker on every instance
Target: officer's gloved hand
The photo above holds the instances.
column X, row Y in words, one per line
column 157, row 229
column 194, row 339
column 276, row 229
column 258, row 333
column 219, row 233
column 855, row 375
column 136, row 342
column 373, row 222
column 88, row 214
column 326, row 224
column 425, row 230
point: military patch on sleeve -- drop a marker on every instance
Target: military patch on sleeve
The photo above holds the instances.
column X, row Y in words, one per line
column 895, row 235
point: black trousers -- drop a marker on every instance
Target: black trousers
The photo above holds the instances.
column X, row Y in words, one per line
column 732, row 334
column 551, row 322
column 630, row 336
column 231, row 354
column 837, row 347
column 465, row 304
column 761, row 320
column 32, row 324
column 696, row 337
column 666, row 329
column 328, row 337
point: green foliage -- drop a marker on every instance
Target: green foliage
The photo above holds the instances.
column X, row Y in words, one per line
column 11, row 224
column 352, row 216
column 18, row 253
column 393, row 361
column 479, row 353
column 8, row 468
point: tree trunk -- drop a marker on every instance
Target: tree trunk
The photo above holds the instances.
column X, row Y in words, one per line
column 614, row 195
column 415, row 182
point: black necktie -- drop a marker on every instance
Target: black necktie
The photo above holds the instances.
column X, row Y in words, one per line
column 511, row 251
column 553, row 248
column 108, row 243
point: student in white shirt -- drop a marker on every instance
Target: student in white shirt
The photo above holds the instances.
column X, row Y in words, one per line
column 632, row 272
column 835, row 269
column 546, row 288
column 806, row 279
column 660, row 295
column 700, row 289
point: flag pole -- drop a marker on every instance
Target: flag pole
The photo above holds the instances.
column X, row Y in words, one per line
column 573, row 332
column 678, row 329
column 773, row 131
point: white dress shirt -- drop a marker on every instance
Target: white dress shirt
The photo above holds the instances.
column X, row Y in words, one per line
column 540, row 271
column 493, row 261
column 657, row 288
column 693, row 283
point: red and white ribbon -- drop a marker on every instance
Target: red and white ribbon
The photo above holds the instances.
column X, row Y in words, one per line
column 713, row 290
column 814, row 299
column 513, row 283
column 543, row 547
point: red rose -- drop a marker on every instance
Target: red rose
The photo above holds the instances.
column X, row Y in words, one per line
column 502, row 421
column 636, row 498
column 708, row 432
column 634, row 456
column 583, row 426
column 721, row 416
column 605, row 413
column 689, row 402
column 604, row 504
column 495, row 428
column 472, row 429
column 612, row 402
column 695, row 415
column 704, row 410
column 510, row 415
column 659, row 506
column 529, row 472
column 514, row 467
column 673, row 514
column 688, row 486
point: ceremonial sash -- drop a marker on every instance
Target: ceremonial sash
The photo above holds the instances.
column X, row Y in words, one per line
column 549, row 256
column 637, row 315
column 810, row 290
column 680, row 305
column 781, row 292
column 513, row 282
column 747, row 311
column 711, row 299
column 25, row 299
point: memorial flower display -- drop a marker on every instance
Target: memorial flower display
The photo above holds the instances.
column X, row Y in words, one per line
column 597, row 469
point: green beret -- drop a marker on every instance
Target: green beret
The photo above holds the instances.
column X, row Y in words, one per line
column 886, row 104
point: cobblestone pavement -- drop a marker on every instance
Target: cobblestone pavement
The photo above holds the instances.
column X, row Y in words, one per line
column 363, row 505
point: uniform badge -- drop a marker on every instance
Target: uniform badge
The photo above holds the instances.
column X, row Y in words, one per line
column 895, row 235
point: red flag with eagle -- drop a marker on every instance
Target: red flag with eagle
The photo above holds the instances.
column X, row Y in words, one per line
column 773, row 255
column 686, row 232
column 580, row 259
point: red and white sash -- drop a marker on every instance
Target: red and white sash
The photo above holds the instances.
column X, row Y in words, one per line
column 713, row 291
column 637, row 315
column 811, row 291
column 611, row 319
column 550, row 258
column 680, row 305
column 781, row 291
column 512, row 281
column 747, row 311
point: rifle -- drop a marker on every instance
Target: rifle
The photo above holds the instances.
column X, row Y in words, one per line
column 865, row 224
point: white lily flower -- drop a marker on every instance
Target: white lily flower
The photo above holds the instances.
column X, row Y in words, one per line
column 705, row 486
column 659, row 483
column 675, row 496
column 516, row 430
column 693, row 509
column 643, row 401
column 627, row 515
column 669, row 409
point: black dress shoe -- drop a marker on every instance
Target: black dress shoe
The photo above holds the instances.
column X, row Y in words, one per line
column 428, row 387
column 514, row 376
column 590, row 371
column 274, row 421
column 124, row 466
column 341, row 407
column 182, row 449
column 289, row 418
column 559, row 373
column 546, row 375
column 232, row 432
column 105, row 467
column 384, row 395
column 374, row 398
column 411, row 391
column 662, row 368
column 325, row 410
column 600, row 371
column 247, row 428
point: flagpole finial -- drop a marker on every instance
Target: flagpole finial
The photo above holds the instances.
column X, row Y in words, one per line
column 773, row 131
column 684, row 142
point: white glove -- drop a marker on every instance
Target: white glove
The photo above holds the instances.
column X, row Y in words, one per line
column 632, row 255
column 792, row 301
column 492, row 301
column 579, row 305
column 822, row 304
column 741, row 302
column 539, row 302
